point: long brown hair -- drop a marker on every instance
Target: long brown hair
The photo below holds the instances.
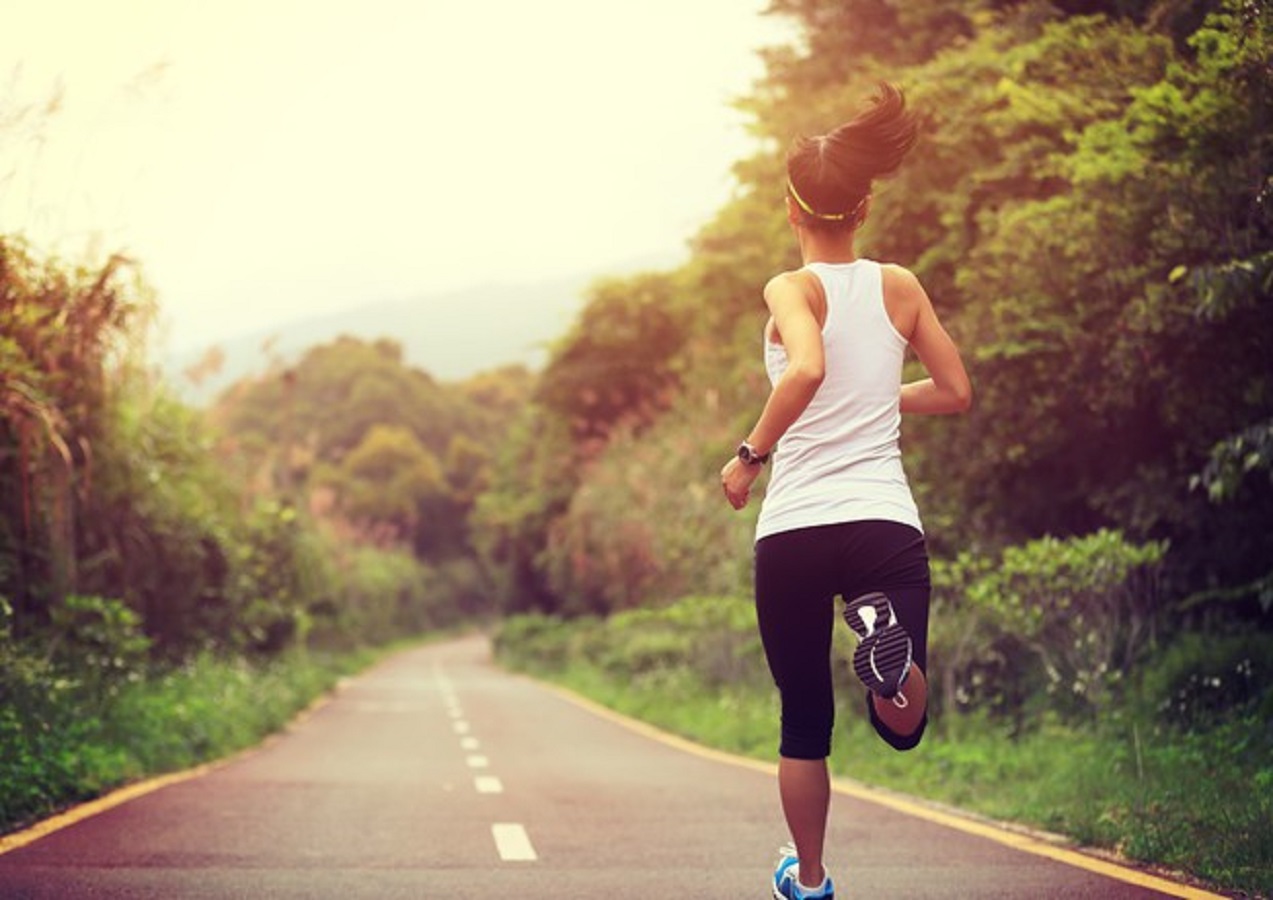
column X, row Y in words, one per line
column 830, row 176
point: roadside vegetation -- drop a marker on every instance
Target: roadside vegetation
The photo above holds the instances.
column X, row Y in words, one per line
column 1091, row 209
column 70, row 732
column 170, row 590
column 1174, row 772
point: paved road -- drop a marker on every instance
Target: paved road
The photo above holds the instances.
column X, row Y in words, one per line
column 436, row 775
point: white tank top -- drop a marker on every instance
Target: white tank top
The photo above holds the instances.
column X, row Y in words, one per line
column 841, row 461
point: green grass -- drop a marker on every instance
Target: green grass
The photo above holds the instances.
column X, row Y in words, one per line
column 1194, row 801
column 1191, row 802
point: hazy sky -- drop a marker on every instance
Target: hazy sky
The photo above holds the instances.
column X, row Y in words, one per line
column 265, row 159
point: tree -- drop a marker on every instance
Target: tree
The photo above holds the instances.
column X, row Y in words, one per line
column 59, row 330
column 352, row 430
column 613, row 367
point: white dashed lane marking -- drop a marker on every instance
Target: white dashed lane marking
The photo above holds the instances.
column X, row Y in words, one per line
column 511, row 840
column 513, row 843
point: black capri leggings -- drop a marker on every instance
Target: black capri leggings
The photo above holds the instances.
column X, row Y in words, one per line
column 798, row 575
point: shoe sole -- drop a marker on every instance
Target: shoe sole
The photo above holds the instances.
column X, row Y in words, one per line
column 882, row 659
column 778, row 895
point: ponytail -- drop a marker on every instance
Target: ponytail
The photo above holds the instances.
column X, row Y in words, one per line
column 830, row 176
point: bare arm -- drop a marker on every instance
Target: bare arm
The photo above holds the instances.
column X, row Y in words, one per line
column 790, row 300
column 947, row 389
column 788, row 297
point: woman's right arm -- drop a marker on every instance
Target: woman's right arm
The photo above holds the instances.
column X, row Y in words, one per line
column 947, row 389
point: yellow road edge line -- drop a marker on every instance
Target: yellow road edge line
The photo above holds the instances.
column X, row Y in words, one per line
column 120, row 796
column 92, row 808
column 1014, row 839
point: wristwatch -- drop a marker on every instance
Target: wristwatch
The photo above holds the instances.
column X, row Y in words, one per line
column 747, row 453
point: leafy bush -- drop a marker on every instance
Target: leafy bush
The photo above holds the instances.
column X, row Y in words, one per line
column 1202, row 680
column 98, row 642
column 34, row 717
column 278, row 568
column 370, row 595
column 536, row 642
column 1083, row 609
column 975, row 664
column 455, row 590
column 649, row 524
column 706, row 644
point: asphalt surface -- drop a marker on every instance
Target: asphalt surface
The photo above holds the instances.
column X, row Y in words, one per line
column 436, row 775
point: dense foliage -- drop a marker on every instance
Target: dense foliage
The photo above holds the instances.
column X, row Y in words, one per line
column 111, row 488
column 1089, row 208
column 371, row 444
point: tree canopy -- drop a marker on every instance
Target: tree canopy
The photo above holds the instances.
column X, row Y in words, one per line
column 1089, row 207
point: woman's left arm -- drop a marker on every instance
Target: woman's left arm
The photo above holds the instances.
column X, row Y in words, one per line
column 948, row 389
column 790, row 300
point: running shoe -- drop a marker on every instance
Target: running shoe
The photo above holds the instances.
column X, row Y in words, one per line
column 787, row 885
column 882, row 659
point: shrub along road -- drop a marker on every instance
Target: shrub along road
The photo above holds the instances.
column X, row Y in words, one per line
column 435, row 774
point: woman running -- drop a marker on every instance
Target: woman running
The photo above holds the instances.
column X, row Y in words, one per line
column 838, row 517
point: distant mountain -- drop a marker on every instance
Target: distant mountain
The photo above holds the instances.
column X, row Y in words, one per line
column 450, row 335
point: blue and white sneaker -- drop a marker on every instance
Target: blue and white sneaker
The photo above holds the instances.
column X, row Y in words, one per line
column 787, row 884
column 882, row 659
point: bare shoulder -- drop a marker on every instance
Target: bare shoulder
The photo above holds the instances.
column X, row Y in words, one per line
column 899, row 279
column 798, row 292
column 904, row 297
column 795, row 281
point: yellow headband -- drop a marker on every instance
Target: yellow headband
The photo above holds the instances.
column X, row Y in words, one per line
column 826, row 217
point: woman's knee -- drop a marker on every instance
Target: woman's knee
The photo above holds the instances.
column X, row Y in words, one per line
column 804, row 745
column 806, row 731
